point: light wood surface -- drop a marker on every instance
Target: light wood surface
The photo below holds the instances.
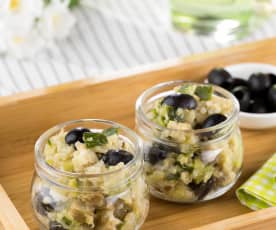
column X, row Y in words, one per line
column 25, row 116
column 10, row 219
column 260, row 220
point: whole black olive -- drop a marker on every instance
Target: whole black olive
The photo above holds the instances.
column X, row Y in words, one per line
column 242, row 93
column 271, row 97
column 220, row 77
column 184, row 101
column 238, row 82
column 159, row 152
column 259, row 83
column 258, row 106
column 75, row 135
column 125, row 156
column 155, row 154
column 272, row 78
column 171, row 100
column 187, row 102
column 113, row 157
column 213, row 120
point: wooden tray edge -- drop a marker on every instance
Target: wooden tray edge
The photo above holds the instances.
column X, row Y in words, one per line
column 10, row 219
column 246, row 221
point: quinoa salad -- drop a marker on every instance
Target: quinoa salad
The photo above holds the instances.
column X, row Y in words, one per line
column 184, row 163
column 115, row 199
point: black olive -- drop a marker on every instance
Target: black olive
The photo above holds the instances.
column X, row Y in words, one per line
column 187, row 102
column 125, row 156
column 184, row 101
column 242, row 93
column 113, row 157
column 42, row 207
column 258, row 106
column 82, row 131
column 220, row 77
column 213, row 120
column 160, row 151
column 272, row 78
column 171, row 100
column 259, row 82
column 75, row 135
column 238, row 82
column 202, row 189
column 156, row 154
column 54, row 225
column 167, row 148
column 271, row 97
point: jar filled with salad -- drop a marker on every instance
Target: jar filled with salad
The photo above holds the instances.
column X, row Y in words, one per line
column 89, row 175
column 192, row 142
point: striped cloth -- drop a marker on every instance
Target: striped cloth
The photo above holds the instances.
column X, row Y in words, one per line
column 111, row 35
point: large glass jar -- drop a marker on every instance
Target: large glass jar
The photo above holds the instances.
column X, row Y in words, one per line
column 113, row 199
column 184, row 161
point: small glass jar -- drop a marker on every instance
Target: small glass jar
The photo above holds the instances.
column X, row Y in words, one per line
column 196, row 164
column 70, row 200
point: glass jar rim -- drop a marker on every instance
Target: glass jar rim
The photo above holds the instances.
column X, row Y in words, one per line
column 41, row 163
column 141, row 99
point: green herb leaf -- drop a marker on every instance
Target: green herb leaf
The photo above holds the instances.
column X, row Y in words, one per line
column 187, row 168
column 171, row 113
column 94, row 139
column 111, row 131
column 49, row 142
column 186, row 89
column 74, row 3
column 66, row 220
column 173, row 176
column 204, row 92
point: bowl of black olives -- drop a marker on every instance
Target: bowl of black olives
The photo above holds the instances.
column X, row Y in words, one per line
column 254, row 86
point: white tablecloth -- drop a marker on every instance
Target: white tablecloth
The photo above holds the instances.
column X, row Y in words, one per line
column 112, row 35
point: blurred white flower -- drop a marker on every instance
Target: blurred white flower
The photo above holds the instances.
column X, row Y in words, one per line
column 56, row 20
column 28, row 7
column 22, row 43
column 27, row 26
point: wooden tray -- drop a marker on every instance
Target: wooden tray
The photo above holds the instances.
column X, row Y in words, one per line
column 25, row 116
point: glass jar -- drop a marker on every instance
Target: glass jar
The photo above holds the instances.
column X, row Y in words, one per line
column 225, row 20
column 189, row 165
column 110, row 200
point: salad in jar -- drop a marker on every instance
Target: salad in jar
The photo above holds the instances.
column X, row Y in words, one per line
column 89, row 178
column 193, row 145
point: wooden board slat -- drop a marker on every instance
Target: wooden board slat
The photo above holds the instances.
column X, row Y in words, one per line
column 25, row 116
column 10, row 219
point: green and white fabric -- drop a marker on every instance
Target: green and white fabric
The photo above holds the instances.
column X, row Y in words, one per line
column 260, row 190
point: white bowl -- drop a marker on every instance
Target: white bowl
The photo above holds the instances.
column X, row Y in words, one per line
column 253, row 120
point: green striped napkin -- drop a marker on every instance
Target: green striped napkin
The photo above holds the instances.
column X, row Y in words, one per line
column 260, row 190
